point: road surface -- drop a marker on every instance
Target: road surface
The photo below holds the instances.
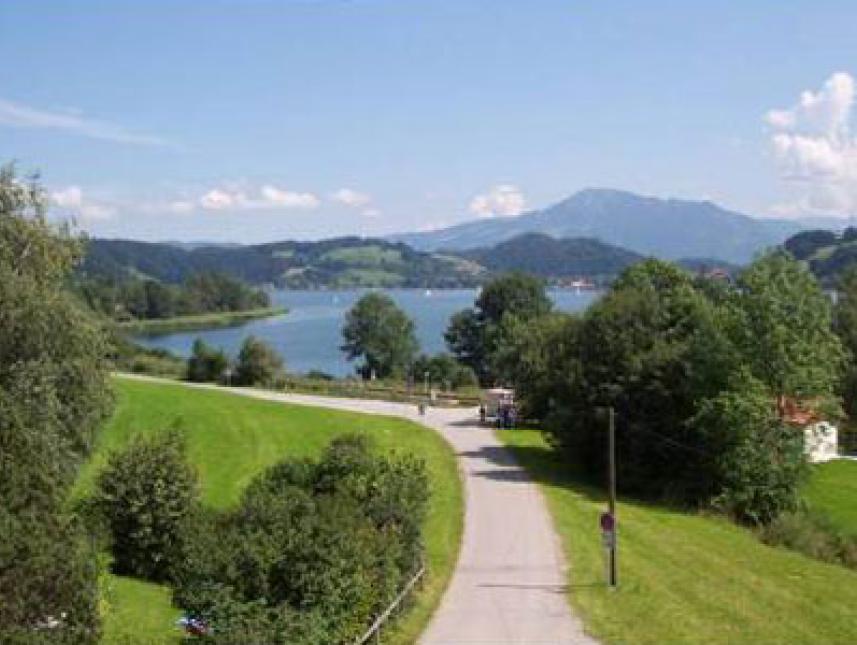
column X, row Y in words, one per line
column 509, row 585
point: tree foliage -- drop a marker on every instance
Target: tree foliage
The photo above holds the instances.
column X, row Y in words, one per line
column 205, row 364
column 378, row 332
column 258, row 364
column 443, row 371
column 146, row 496
column 145, row 299
column 474, row 334
column 313, row 551
column 695, row 375
column 845, row 325
column 53, row 396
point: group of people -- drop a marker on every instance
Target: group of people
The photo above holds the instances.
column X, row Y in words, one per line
column 506, row 415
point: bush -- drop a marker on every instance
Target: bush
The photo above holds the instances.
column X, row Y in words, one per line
column 758, row 461
column 813, row 535
column 313, row 551
column 258, row 364
column 146, row 496
column 205, row 364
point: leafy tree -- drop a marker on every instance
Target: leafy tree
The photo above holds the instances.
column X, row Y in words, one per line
column 695, row 375
column 782, row 326
column 756, row 460
column 465, row 337
column 205, row 364
column 635, row 352
column 537, row 358
column 54, row 394
column 845, row 326
column 258, row 364
column 146, row 495
column 472, row 335
column 380, row 333
column 444, row 370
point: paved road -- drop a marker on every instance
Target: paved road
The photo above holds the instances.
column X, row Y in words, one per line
column 509, row 585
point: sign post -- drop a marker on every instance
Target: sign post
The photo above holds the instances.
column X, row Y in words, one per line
column 608, row 519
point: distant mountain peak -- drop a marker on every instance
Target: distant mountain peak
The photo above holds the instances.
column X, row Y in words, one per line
column 670, row 228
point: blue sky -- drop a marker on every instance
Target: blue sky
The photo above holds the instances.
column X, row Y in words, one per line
column 253, row 121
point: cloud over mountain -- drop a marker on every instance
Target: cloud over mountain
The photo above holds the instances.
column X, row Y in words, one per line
column 815, row 149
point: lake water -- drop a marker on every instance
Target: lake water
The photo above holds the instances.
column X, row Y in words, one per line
column 309, row 335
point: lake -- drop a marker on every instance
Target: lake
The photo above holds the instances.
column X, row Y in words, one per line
column 309, row 335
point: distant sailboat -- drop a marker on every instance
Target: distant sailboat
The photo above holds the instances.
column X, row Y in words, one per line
column 428, row 293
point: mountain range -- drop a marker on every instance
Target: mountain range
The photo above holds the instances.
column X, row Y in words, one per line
column 667, row 228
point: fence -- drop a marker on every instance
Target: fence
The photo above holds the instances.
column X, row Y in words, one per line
column 375, row 628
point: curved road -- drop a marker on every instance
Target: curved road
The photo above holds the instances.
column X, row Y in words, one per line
column 509, row 585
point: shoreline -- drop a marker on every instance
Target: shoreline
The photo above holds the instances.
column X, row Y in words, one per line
column 211, row 320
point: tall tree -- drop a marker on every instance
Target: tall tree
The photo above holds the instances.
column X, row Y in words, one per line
column 474, row 334
column 782, row 324
column 381, row 334
column 53, row 395
column 845, row 325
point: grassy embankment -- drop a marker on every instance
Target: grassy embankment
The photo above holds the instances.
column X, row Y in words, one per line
column 233, row 438
column 687, row 577
column 198, row 321
column 832, row 491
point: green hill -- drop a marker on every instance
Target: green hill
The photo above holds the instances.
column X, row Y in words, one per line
column 335, row 263
column 827, row 253
column 549, row 257
column 231, row 439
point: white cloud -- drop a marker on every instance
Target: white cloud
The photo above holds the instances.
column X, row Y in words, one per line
column 288, row 199
column 503, row 200
column 217, row 199
column 17, row 115
column 350, row 197
column 72, row 199
column 371, row 213
column 269, row 197
column 815, row 150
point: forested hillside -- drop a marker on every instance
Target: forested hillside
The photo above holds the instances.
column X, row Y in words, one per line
column 545, row 256
column 336, row 263
column 828, row 254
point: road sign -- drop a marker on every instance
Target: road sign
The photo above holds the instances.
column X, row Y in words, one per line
column 608, row 522
column 608, row 539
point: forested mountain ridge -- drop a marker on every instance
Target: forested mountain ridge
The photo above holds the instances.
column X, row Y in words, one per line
column 335, row 263
column 357, row 262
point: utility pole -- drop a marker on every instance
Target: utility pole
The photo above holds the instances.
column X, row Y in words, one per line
column 611, row 553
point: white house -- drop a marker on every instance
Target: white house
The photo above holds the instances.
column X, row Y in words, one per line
column 820, row 441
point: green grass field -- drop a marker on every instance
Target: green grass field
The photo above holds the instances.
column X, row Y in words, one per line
column 231, row 439
column 686, row 577
column 198, row 321
column 832, row 490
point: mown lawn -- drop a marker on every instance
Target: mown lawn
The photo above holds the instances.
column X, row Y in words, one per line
column 686, row 577
column 233, row 438
column 832, row 490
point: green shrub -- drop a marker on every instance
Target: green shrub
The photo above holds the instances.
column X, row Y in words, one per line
column 813, row 535
column 146, row 495
column 313, row 551
column 258, row 364
column 205, row 364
